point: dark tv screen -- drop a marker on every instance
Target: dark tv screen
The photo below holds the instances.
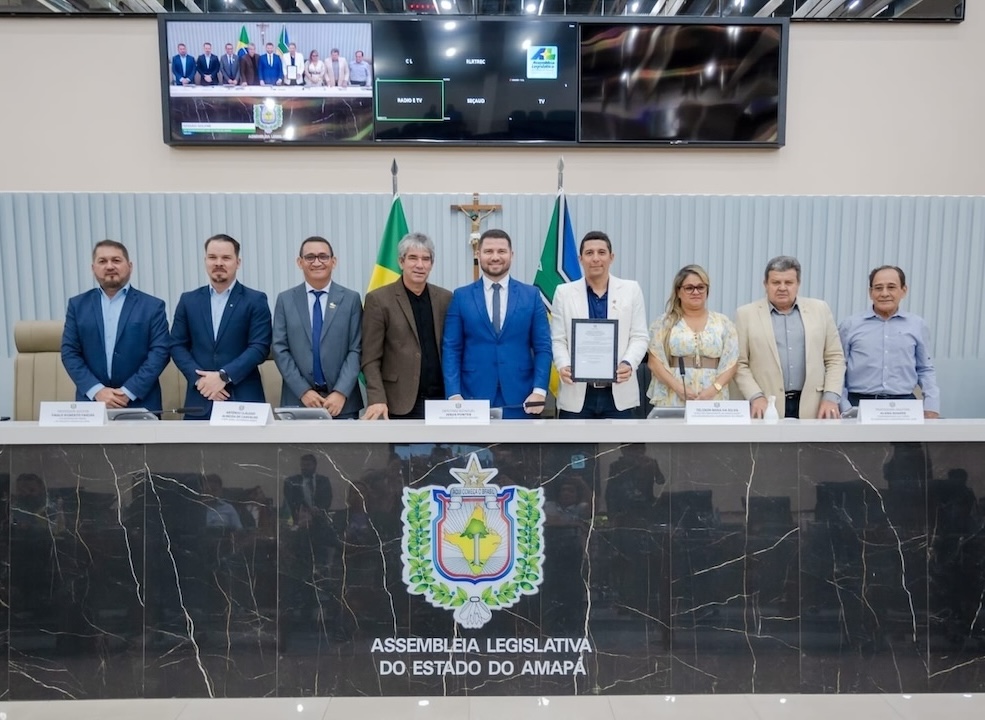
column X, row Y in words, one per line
column 464, row 81
column 286, row 100
column 683, row 83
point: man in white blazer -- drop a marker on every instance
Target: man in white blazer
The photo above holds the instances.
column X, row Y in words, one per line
column 789, row 348
column 599, row 295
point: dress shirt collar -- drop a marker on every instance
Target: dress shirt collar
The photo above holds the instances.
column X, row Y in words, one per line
column 487, row 283
column 213, row 292
column 774, row 309
column 871, row 313
column 122, row 292
column 309, row 288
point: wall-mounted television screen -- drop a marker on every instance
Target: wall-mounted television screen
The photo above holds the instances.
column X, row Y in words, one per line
column 468, row 80
column 683, row 83
column 257, row 81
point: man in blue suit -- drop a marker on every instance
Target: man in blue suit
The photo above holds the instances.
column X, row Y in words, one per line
column 208, row 66
column 183, row 67
column 115, row 343
column 221, row 333
column 270, row 68
column 497, row 343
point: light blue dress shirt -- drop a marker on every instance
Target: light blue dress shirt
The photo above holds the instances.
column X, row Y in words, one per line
column 309, row 292
column 219, row 302
column 112, row 308
column 889, row 357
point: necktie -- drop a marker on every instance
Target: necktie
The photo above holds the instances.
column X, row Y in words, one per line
column 316, row 325
column 497, row 308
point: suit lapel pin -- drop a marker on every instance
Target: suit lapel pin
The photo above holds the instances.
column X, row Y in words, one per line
column 331, row 306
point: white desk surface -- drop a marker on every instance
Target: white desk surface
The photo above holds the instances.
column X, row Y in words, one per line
column 615, row 432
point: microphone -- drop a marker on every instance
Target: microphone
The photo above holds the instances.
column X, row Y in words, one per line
column 145, row 414
column 680, row 367
column 496, row 413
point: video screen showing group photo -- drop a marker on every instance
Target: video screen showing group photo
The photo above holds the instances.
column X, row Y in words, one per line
column 683, row 83
column 255, row 81
column 466, row 80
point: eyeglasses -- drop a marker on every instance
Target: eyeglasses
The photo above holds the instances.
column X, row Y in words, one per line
column 322, row 258
column 694, row 289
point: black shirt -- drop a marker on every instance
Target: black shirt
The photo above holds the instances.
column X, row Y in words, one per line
column 432, row 384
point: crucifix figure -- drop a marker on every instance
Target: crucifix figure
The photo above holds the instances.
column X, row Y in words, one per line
column 263, row 33
column 476, row 212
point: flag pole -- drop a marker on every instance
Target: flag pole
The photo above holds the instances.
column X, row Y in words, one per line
column 393, row 174
column 560, row 190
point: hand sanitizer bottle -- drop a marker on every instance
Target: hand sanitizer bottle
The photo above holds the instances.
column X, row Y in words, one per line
column 771, row 415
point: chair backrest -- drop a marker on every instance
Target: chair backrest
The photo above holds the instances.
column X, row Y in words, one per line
column 38, row 371
column 40, row 376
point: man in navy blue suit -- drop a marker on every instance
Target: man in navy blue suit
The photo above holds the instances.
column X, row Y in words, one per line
column 208, row 66
column 270, row 68
column 183, row 67
column 497, row 343
column 221, row 333
column 115, row 343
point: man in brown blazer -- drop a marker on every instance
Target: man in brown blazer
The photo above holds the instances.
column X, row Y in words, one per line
column 789, row 348
column 402, row 327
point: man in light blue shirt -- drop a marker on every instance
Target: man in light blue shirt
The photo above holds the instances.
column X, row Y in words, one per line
column 115, row 342
column 359, row 71
column 887, row 351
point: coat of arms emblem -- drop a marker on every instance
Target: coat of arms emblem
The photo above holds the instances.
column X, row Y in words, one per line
column 473, row 547
column 268, row 116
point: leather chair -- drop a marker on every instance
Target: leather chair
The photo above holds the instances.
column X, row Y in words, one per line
column 40, row 376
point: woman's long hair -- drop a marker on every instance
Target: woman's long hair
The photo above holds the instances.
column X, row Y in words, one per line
column 674, row 311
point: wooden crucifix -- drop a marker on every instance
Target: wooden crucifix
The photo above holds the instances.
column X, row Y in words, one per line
column 476, row 212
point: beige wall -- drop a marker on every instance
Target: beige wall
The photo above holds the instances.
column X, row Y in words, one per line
column 872, row 109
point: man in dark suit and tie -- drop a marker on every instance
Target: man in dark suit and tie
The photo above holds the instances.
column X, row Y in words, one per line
column 308, row 496
column 497, row 343
column 402, row 327
column 318, row 335
column 270, row 68
column 208, row 66
column 183, row 67
column 229, row 66
column 221, row 333
column 115, row 343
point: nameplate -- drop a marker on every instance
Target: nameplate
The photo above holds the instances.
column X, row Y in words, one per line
column 240, row 413
column 717, row 412
column 456, row 412
column 63, row 414
column 890, row 411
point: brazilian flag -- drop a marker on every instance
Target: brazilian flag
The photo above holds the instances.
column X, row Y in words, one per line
column 244, row 41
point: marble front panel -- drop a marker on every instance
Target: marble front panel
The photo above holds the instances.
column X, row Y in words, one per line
column 260, row 570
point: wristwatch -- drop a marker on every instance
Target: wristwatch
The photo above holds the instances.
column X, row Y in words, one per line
column 718, row 387
column 224, row 376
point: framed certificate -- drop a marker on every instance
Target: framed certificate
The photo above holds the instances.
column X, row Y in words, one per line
column 594, row 350
column 292, row 72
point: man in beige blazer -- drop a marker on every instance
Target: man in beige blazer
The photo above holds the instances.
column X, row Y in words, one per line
column 789, row 348
column 402, row 327
column 599, row 295
column 336, row 70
